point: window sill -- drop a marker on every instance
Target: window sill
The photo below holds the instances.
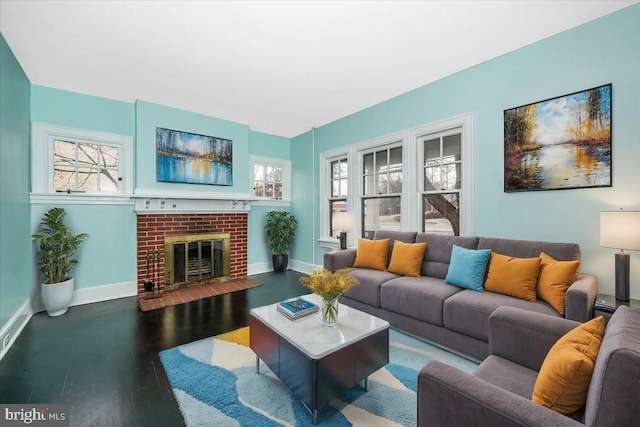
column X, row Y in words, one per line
column 77, row 199
column 270, row 202
column 329, row 243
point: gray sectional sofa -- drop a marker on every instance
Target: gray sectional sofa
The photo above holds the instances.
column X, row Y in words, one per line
column 448, row 315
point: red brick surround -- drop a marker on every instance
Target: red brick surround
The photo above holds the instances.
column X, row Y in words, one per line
column 152, row 228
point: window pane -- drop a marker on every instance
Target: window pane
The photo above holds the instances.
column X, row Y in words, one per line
column 87, row 179
column 343, row 169
column 432, row 152
column 395, row 183
column 64, row 178
column 367, row 160
column 64, row 153
column 451, row 146
column 271, row 175
column 268, row 189
column 258, row 189
column 432, row 178
column 441, row 213
column 109, row 179
column 258, row 173
column 335, row 206
column 395, row 161
column 278, row 191
column 368, row 183
column 344, row 184
column 335, row 169
column 380, row 214
column 278, row 177
column 381, row 161
column 108, row 156
column 451, row 176
column 383, row 184
column 335, row 188
column 87, row 155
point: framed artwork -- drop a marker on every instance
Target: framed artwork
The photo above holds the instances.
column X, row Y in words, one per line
column 560, row 143
column 194, row 159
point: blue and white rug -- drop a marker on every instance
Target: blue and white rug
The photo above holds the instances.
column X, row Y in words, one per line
column 215, row 384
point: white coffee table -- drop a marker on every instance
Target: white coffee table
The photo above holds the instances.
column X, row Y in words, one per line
column 319, row 362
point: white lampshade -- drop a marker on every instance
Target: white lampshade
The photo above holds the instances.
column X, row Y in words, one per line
column 343, row 221
column 620, row 230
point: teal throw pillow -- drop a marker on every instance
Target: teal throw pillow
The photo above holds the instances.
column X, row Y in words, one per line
column 467, row 268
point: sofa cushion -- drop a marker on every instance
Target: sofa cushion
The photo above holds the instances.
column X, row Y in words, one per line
column 468, row 311
column 555, row 279
column 531, row 249
column 406, row 258
column 372, row 254
column 516, row 277
column 417, row 297
column 467, row 268
column 393, row 235
column 368, row 289
column 438, row 254
column 507, row 375
column 565, row 374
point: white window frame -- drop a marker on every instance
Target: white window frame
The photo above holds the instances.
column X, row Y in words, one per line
column 286, row 180
column 42, row 187
column 411, row 197
column 326, row 158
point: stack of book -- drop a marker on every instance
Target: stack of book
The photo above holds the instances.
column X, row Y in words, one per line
column 296, row 308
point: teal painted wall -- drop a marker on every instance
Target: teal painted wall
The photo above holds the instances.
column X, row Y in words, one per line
column 15, row 231
column 303, row 194
column 264, row 144
column 600, row 52
column 108, row 255
column 149, row 116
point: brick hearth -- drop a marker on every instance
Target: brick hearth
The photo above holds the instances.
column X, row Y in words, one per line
column 152, row 228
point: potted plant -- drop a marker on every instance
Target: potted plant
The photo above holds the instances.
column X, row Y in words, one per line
column 281, row 229
column 57, row 247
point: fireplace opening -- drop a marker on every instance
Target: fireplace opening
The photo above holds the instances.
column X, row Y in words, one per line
column 196, row 258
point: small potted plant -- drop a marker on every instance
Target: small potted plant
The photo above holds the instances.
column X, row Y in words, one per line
column 329, row 286
column 281, row 230
column 57, row 247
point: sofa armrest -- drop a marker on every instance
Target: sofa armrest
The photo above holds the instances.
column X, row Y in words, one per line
column 449, row 397
column 580, row 298
column 336, row 260
column 525, row 337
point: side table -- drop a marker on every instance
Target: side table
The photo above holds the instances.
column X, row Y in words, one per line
column 606, row 305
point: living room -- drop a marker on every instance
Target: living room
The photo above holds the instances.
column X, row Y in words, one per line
column 599, row 52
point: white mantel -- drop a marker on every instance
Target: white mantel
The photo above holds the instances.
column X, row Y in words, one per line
column 161, row 201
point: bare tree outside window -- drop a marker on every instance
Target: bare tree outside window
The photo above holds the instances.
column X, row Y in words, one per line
column 85, row 167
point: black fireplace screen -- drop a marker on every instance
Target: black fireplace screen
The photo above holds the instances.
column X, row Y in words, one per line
column 195, row 258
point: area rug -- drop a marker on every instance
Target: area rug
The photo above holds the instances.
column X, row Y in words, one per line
column 215, row 384
column 196, row 292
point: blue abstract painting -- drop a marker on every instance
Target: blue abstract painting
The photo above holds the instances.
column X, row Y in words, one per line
column 194, row 159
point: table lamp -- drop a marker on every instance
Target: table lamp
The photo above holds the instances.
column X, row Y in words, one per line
column 621, row 230
column 343, row 221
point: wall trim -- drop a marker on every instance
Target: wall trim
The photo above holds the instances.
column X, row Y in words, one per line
column 95, row 294
column 15, row 326
column 302, row 267
column 259, row 268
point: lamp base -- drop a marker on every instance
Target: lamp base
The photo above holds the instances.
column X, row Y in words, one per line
column 343, row 240
column 622, row 276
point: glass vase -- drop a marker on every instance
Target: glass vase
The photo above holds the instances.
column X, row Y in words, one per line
column 329, row 311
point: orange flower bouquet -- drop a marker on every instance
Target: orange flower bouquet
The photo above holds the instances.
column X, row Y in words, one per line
column 329, row 286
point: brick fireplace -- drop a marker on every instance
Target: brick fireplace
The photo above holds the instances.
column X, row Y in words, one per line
column 153, row 228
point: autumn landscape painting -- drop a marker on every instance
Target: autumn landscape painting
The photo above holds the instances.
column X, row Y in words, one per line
column 560, row 143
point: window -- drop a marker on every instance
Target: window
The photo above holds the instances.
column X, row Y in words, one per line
column 80, row 163
column 339, row 184
column 442, row 182
column 270, row 178
column 381, row 190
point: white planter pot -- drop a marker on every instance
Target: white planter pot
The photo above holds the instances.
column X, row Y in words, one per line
column 56, row 297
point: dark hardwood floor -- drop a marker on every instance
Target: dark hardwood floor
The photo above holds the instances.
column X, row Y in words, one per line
column 102, row 358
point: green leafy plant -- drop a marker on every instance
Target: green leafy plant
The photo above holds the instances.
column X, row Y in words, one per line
column 57, row 246
column 281, row 230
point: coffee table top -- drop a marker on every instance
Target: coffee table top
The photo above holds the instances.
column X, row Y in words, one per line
column 312, row 337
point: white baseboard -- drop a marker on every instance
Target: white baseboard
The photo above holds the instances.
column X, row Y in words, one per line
column 95, row 294
column 15, row 325
column 294, row 264
column 259, row 268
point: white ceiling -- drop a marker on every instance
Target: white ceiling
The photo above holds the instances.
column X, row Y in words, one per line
column 280, row 67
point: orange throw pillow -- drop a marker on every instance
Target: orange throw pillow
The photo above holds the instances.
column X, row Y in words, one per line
column 372, row 254
column 563, row 380
column 406, row 258
column 516, row 277
column 555, row 279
